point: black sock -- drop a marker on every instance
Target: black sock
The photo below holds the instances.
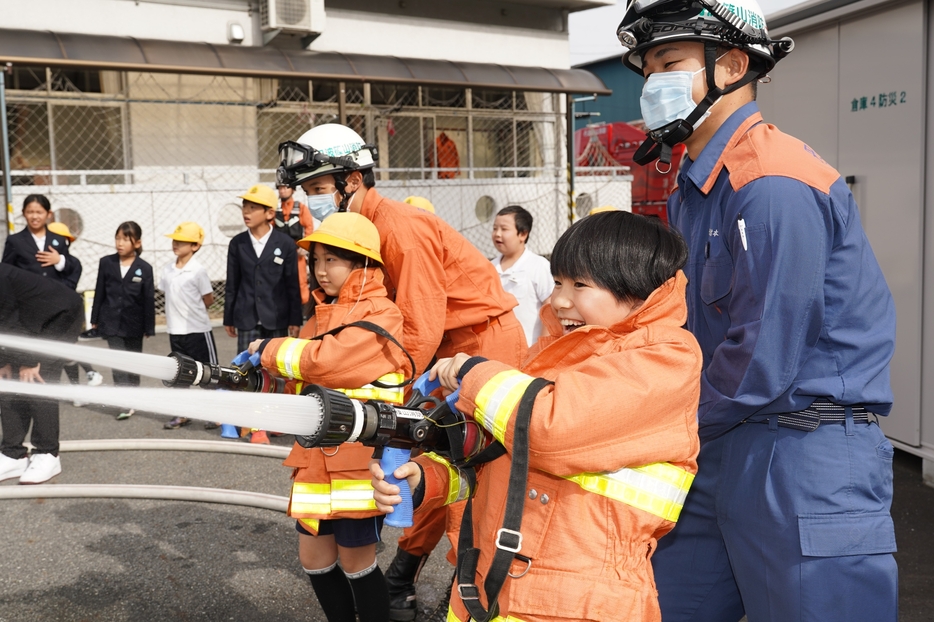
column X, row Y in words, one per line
column 371, row 595
column 333, row 591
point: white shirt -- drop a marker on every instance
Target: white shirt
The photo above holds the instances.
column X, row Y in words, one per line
column 185, row 289
column 530, row 281
column 260, row 244
column 40, row 242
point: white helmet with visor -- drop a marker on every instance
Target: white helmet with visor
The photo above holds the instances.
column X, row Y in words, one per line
column 736, row 23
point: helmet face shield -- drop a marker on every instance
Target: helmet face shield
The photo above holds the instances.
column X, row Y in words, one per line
column 299, row 161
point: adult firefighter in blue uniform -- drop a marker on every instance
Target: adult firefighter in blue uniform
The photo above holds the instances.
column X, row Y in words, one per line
column 788, row 518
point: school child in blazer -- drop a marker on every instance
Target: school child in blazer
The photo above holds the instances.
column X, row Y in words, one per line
column 347, row 264
column 35, row 248
column 124, row 300
column 262, row 295
column 71, row 275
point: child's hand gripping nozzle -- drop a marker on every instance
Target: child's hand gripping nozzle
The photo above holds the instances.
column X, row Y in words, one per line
column 394, row 457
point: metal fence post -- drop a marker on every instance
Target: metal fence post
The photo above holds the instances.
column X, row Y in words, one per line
column 7, row 177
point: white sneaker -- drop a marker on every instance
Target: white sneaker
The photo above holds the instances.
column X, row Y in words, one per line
column 42, row 468
column 11, row 467
column 95, row 378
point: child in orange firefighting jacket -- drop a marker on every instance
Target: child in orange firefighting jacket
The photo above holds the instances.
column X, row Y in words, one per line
column 611, row 440
column 331, row 493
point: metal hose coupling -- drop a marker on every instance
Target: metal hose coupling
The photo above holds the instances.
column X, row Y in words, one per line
column 210, row 376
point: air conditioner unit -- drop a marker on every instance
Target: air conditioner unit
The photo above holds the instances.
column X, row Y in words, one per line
column 292, row 16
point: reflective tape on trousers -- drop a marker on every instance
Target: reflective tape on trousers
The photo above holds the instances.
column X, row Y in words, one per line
column 372, row 392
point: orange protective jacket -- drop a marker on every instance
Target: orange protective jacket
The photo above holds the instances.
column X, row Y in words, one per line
column 308, row 226
column 350, row 359
column 623, row 397
column 438, row 279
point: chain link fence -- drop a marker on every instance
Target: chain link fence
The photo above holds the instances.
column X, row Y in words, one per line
column 160, row 149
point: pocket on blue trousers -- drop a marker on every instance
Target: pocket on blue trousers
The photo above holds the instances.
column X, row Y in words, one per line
column 838, row 535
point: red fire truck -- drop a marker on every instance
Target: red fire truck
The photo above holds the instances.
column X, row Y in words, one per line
column 614, row 144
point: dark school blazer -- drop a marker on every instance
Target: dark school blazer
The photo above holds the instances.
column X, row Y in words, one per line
column 37, row 307
column 124, row 306
column 20, row 251
column 262, row 290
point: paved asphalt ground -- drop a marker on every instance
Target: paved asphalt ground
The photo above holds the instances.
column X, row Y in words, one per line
column 141, row 560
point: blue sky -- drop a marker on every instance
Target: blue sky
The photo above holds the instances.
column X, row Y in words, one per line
column 593, row 32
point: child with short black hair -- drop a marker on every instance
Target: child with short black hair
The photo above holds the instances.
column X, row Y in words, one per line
column 610, row 441
column 188, row 294
column 124, row 300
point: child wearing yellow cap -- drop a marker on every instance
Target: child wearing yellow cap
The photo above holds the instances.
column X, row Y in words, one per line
column 188, row 294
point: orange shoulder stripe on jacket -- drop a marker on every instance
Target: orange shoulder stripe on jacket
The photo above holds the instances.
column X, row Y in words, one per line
column 766, row 151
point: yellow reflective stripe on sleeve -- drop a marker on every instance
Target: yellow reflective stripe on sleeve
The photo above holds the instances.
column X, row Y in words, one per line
column 659, row 488
column 371, row 392
column 289, row 356
column 453, row 618
column 498, row 399
column 458, row 485
column 341, row 495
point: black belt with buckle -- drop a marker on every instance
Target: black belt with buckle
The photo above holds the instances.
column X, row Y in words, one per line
column 819, row 413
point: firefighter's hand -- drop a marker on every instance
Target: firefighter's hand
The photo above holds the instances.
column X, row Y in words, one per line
column 385, row 494
column 231, row 331
column 253, row 348
column 446, row 371
column 31, row 374
column 48, row 258
column 6, row 372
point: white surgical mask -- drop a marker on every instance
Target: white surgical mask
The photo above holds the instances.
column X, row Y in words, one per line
column 666, row 97
column 322, row 205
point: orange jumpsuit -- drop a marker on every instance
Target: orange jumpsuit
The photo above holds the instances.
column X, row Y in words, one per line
column 308, row 226
column 612, row 451
column 352, row 358
column 453, row 301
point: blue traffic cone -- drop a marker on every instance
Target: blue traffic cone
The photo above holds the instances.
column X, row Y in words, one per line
column 229, row 430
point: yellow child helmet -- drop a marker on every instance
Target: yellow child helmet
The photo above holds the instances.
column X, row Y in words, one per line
column 603, row 208
column 348, row 230
column 188, row 232
column 261, row 195
column 61, row 229
column 421, row 203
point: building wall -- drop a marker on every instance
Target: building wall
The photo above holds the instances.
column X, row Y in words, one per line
column 623, row 104
column 540, row 41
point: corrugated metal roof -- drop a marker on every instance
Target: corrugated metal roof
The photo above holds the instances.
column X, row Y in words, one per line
column 30, row 47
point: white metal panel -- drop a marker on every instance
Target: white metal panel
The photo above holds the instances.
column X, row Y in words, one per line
column 802, row 98
column 881, row 143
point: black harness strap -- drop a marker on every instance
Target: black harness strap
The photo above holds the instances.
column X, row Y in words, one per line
column 509, row 538
column 382, row 332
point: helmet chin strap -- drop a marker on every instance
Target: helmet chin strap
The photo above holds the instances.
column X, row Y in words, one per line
column 659, row 142
column 340, row 182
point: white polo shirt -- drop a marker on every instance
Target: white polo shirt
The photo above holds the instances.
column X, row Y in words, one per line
column 530, row 281
column 185, row 289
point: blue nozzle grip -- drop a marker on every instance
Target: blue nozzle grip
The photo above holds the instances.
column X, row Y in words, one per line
column 393, row 458
column 426, row 387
